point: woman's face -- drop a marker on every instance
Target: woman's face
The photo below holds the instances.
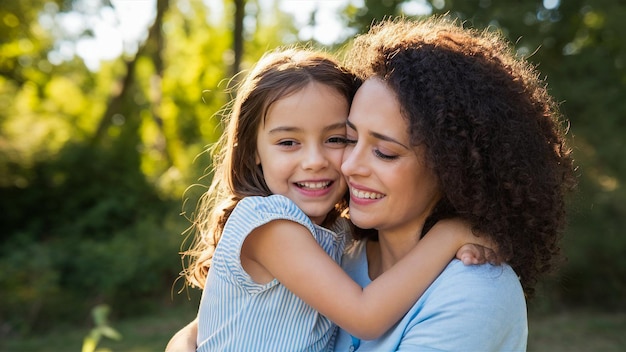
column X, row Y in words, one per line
column 391, row 189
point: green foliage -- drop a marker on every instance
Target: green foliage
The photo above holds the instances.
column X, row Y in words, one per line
column 373, row 11
column 100, row 330
column 130, row 269
column 93, row 165
column 147, row 332
column 86, row 228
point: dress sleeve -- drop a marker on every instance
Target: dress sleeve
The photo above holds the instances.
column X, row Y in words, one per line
column 249, row 214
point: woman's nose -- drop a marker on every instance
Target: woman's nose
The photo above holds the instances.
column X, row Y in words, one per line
column 352, row 163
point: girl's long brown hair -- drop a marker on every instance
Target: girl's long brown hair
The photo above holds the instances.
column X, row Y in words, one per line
column 236, row 174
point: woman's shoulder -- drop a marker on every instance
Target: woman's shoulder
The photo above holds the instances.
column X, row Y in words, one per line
column 489, row 296
column 493, row 284
column 456, row 271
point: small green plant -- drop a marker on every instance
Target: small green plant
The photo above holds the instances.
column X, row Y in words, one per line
column 101, row 329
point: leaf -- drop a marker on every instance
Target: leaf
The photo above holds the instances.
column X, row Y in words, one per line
column 111, row 333
column 89, row 344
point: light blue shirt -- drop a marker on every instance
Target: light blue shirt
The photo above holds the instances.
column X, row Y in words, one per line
column 237, row 314
column 467, row 308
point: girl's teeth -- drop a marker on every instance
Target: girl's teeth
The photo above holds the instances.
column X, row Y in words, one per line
column 314, row 185
column 366, row 195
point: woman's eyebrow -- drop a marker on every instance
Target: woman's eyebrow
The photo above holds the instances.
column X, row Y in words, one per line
column 388, row 139
column 350, row 124
column 379, row 136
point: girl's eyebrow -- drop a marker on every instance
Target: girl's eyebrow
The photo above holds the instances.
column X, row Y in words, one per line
column 335, row 126
column 379, row 136
column 284, row 129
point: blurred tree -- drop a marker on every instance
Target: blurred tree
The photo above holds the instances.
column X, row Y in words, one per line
column 92, row 161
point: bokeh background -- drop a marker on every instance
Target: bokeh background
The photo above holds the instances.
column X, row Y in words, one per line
column 107, row 108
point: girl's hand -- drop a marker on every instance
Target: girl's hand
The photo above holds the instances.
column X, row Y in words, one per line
column 474, row 249
column 474, row 254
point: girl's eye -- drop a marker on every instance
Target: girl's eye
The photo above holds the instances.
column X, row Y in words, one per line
column 350, row 141
column 287, row 143
column 337, row 140
column 384, row 156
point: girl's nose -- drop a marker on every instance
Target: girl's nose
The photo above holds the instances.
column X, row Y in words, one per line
column 314, row 159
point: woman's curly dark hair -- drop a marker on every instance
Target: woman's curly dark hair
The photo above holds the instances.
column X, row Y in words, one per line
column 493, row 134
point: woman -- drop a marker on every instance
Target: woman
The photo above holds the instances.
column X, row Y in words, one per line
column 449, row 123
column 448, row 115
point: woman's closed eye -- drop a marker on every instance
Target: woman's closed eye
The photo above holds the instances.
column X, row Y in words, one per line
column 384, row 156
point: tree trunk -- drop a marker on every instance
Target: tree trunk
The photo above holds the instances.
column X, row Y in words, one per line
column 238, row 35
column 152, row 47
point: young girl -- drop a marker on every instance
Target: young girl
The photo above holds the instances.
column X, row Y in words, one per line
column 275, row 206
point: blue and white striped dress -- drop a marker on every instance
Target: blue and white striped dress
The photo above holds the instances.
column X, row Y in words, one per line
column 237, row 314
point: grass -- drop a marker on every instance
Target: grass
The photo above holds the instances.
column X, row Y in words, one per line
column 143, row 334
column 567, row 331
column 577, row 332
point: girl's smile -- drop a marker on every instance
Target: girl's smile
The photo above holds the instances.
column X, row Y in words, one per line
column 300, row 146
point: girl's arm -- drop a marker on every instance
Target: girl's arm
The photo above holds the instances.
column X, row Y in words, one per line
column 287, row 251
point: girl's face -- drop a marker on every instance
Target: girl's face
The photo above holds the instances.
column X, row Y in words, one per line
column 300, row 147
column 391, row 189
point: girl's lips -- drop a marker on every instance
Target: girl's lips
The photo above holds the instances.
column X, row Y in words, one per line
column 314, row 188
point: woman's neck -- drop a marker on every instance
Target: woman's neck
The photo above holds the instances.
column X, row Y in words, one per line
column 389, row 249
